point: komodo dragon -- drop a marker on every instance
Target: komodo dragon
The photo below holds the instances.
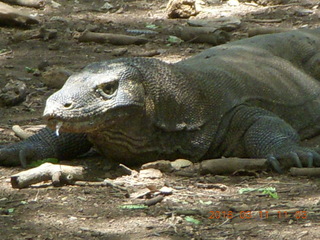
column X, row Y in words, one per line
column 256, row 98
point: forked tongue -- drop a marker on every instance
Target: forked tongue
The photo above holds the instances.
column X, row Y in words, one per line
column 58, row 126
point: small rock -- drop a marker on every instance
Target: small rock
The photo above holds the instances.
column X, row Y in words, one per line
column 119, row 52
column 55, row 4
column 36, row 73
column 150, row 173
column 107, row 6
column 303, row 12
column 233, row 2
column 13, row 93
column 55, row 77
column 47, row 33
column 43, row 65
column 59, row 19
column 97, row 50
column 92, row 28
column 54, row 46
column 180, row 163
column 166, row 190
column 181, row 8
column 162, row 165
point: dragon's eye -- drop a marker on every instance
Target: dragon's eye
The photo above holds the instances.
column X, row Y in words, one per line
column 108, row 89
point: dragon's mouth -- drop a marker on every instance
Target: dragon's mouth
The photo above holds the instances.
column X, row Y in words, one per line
column 75, row 125
column 86, row 124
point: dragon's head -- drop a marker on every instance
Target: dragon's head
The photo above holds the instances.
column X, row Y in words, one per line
column 102, row 94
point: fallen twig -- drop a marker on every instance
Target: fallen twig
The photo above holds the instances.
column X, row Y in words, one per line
column 27, row 3
column 201, row 35
column 154, row 200
column 116, row 39
column 266, row 30
column 59, row 174
column 222, row 187
column 230, row 165
column 9, row 14
column 276, row 20
column 310, row 172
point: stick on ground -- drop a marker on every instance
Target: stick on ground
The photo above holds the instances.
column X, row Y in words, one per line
column 27, row 3
column 230, row 165
column 310, row 172
column 115, row 39
column 11, row 15
column 59, row 174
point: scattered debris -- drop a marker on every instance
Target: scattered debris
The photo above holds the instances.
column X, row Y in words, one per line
column 141, row 31
column 133, row 206
column 222, row 187
column 42, row 33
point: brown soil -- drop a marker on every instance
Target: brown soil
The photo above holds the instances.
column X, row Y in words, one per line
column 94, row 212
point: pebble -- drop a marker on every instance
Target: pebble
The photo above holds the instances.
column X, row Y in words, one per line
column 180, row 163
column 150, row 173
column 166, row 190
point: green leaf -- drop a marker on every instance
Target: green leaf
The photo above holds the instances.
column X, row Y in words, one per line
column 174, row 39
column 24, row 202
column 205, row 203
column 133, row 206
column 152, row 26
column 192, row 220
column 10, row 210
column 271, row 191
column 246, row 190
column 30, row 70
column 39, row 162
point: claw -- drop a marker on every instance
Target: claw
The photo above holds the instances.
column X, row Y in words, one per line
column 296, row 159
column 23, row 158
column 275, row 164
column 316, row 159
column 310, row 160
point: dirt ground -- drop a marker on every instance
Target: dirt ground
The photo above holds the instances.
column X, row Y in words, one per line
column 196, row 207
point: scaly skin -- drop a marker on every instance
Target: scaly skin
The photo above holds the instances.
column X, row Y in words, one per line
column 256, row 98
